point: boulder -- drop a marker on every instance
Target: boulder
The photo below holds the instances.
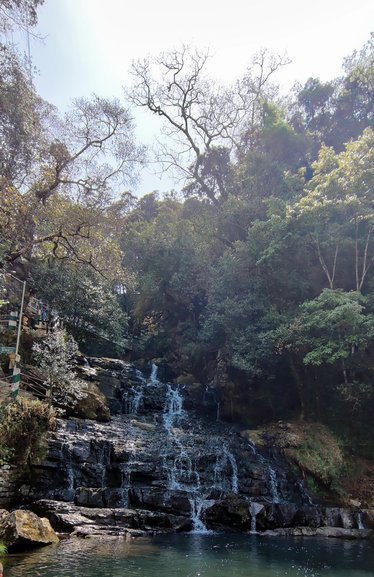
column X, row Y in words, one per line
column 83, row 402
column 368, row 518
column 24, row 529
column 92, row 406
column 233, row 512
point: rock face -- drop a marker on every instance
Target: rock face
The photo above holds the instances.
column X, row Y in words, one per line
column 85, row 521
column 159, row 465
column 90, row 403
column 22, row 529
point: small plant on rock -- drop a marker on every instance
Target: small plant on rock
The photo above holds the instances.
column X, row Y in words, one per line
column 23, row 427
column 54, row 355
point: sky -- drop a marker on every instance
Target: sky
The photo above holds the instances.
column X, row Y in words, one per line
column 89, row 45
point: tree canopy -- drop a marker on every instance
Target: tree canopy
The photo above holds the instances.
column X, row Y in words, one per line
column 257, row 277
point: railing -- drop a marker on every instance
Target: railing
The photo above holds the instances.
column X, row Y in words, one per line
column 31, row 384
column 34, row 385
column 6, row 389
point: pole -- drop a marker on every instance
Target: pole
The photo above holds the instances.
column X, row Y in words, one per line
column 20, row 317
column 16, row 374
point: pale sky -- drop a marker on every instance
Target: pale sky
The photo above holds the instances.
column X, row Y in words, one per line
column 90, row 44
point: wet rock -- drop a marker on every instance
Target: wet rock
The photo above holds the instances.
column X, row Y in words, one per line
column 24, row 529
column 292, row 532
column 85, row 402
column 335, row 532
column 233, row 512
column 89, row 497
column 341, row 533
column 340, row 517
column 164, row 458
column 368, row 518
column 98, row 521
column 150, row 427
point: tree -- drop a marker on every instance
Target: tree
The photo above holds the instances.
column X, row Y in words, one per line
column 89, row 304
column 59, row 175
column 204, row 123
column 22, row 112
column 335, row 112
column 337, row 212
column 18, row 14
column 54, row 356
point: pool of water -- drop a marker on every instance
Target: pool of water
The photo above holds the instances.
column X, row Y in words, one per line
column 194, row 555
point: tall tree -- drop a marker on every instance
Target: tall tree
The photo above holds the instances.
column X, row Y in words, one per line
column 204, row 123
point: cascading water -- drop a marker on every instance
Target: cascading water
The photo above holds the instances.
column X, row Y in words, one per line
column 132, row 400
column 222, row 479
column 181, row 464
column 199, row 504
column 272, row 477
column 173, row 408
column 273, row 485
column 254, row 510
column 139, row 375
column 168, row 459
column 153, row 380
column 360, row 524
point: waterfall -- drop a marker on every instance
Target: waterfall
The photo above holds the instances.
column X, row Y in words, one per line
column 139, row 375
column 126, row 485
column 273, row 485
column 200, row 472
column 181, row 475
column 153, row 380
column 304, row 493
column 223, row 479
column 254, row 510
column 132, row 399
column 199, row 504
column 272, row 475
column 234, row 478
column 360, row 524
column 66, row 457
column 173, row 408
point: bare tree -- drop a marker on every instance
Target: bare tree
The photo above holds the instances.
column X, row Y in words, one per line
column 201, row 117
column 93, row 154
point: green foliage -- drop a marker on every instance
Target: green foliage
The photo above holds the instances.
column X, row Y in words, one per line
column 23, row 427
column 331, row 328
column 54, row 356
column 258, row 277
column 6, row 455
column 89, row 304
column 320, row 458
column 3, row 549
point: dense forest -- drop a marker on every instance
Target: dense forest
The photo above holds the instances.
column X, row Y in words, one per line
column 256, row 276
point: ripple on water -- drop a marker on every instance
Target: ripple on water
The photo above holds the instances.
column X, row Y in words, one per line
column 194, row 555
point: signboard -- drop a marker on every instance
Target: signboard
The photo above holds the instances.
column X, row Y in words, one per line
column 7, row 350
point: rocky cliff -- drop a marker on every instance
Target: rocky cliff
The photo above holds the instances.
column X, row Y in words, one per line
column 166, row 462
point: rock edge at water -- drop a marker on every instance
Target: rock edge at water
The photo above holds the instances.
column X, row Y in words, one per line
column 24, row 529
column 88, row 521
column 335, row 532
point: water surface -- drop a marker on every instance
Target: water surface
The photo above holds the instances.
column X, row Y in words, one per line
column 194, row 555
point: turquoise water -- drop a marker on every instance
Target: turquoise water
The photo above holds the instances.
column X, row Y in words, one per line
column 193, row 555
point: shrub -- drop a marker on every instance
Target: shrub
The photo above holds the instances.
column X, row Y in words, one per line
column 24, row 424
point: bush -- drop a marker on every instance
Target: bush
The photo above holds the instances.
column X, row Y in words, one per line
column 24, row 424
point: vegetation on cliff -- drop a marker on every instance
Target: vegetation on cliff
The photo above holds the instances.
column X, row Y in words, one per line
column 256, row 278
